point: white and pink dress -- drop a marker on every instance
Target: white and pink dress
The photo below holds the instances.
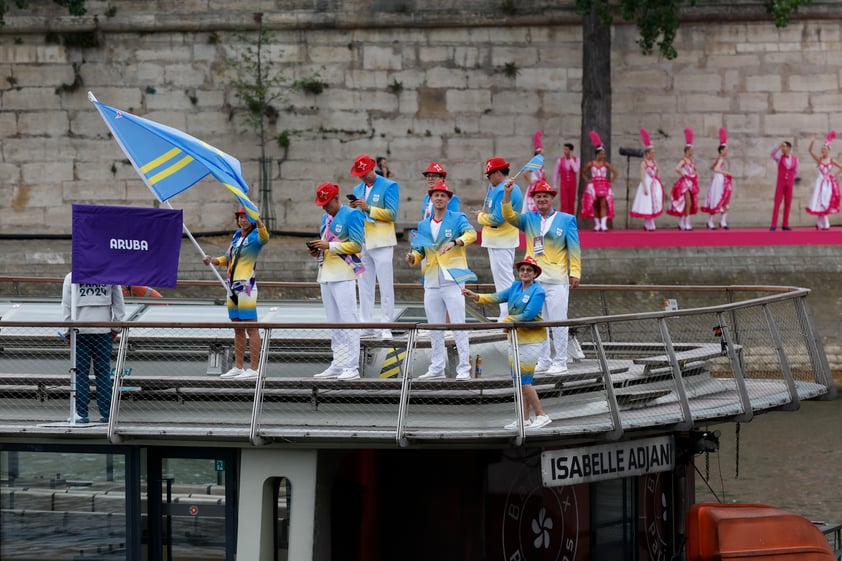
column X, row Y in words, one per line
column 598, row 188
column 825, row 197
column 649, row 200
column 687, row 183
column 719, row 192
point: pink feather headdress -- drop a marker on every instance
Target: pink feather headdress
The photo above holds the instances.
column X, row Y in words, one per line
column 536, row 141
column 688, row 137
column 723, row 137
column 595, row 140
column 644, row 136
column 829, row 140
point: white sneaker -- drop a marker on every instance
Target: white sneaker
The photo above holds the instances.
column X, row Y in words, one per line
column 574, row 349
column 78, row 419
column 556, row 369
column 349, row 374
column 233, row 373
column 463, row 376
column 540, row 421
column 386, row 334
column 513, row 425
column 331, row 372
column 248, row 373
column 431, row 376
column 542, row 368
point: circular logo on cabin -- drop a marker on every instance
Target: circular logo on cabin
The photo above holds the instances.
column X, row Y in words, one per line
column 656, row 515
column 540, row 522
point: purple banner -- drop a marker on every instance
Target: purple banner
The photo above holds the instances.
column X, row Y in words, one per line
column 126, row 245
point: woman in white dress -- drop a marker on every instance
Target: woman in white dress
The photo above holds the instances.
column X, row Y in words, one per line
column 648, row 203
column 719, row 192
column 825, row 198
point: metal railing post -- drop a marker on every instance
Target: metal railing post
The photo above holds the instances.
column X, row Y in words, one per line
column 680, row 389
column 610, row 396
column 818, row 358
column 795, row 402
column 259, row 386
column 406, row 383
column 739, row 373
column 116, row 386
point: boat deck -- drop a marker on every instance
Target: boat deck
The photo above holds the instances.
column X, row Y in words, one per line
column 640, row 371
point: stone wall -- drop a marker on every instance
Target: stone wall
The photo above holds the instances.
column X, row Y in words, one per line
column 417, row 81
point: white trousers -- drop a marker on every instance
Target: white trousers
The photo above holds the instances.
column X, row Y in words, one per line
column 502, row 263
column 379, row 269
column 340, row 300
column 555, row 309
column 438, row 303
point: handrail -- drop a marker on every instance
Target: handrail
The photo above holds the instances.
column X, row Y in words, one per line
column 628, row 383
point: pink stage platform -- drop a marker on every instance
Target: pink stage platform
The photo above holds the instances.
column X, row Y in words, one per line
column 665, row 237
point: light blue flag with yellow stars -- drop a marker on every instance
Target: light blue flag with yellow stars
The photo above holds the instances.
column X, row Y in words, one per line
column 171, row 161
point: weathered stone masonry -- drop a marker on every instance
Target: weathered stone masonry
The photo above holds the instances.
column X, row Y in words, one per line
column 418, row 81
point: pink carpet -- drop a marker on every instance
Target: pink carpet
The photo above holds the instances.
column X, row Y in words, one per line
column 698, row 237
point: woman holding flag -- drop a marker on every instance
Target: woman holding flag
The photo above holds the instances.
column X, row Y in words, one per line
column 241, row 260
column 439, row 246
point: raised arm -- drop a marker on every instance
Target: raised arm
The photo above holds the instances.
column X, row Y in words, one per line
column 810, row 149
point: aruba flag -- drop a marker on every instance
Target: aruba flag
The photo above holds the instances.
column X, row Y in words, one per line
column 537, row 162
column 171, row 161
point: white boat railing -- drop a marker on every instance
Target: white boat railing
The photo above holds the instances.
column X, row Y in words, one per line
column 750, row 350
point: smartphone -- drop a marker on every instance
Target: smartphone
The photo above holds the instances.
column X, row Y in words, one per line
column 351, row 197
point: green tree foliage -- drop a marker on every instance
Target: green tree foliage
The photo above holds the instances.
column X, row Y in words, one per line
column 74, row 7
column 657, row 20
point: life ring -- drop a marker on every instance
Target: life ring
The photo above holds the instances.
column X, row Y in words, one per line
column 141, row 291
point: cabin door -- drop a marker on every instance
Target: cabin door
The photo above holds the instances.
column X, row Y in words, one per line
column 191, row 498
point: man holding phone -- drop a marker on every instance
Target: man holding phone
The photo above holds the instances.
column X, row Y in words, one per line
column 377, row 197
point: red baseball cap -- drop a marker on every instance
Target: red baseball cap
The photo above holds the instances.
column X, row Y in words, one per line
column 529, row 260
column 362, row 165
column 543, row 187
column 436, row 168
column 496, row 164
column 326, row 192
column 441, row 187
column 239, row 212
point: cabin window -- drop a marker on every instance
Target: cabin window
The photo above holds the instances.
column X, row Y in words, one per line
column 70, row 504
column 612, row 518
column 282, row 491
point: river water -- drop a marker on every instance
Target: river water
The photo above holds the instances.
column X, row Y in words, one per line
column 791, row 460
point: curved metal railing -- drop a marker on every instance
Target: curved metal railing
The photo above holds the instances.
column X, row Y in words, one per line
column 725, row 354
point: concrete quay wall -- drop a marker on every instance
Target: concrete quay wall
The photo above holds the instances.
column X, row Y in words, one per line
column 455, row 82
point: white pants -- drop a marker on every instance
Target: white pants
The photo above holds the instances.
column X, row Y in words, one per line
column 340, row 300
column 378, row 266
column 438, row 302
column 502, row 263
column 555, row 309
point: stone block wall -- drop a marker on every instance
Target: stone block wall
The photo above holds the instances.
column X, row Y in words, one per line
column 415, row 81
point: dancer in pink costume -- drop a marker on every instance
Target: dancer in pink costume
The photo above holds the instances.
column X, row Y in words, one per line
column 648, row 202
column 566, row 179
column 719, row 192
column 825, row 198
column 685, row 192
column 598, row 198
column 787, row 173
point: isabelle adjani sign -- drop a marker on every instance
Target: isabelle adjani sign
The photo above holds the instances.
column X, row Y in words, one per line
column 607, row 461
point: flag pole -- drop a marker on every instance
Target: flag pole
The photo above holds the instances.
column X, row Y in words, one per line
column 203, row 254
column 128, row 154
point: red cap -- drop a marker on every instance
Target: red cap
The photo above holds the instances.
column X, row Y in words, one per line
column 239, row 212
column 496, row 164
column 440, row 187
column 529, row 260
column 436, row 168
column 543, row 187
column 362, row 165
column 326, row 192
